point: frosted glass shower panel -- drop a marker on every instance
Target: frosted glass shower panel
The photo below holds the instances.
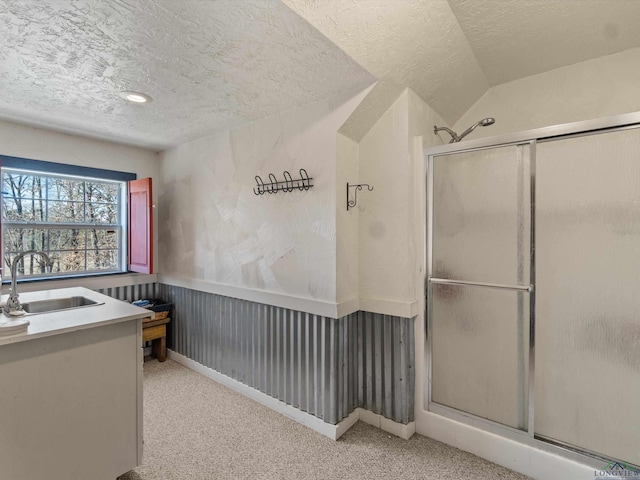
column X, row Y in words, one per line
column 588, row 293
column 480, row 347
column 481, row 215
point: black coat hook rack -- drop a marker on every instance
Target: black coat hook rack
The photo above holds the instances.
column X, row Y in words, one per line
column 352, row 203
column 288, row 185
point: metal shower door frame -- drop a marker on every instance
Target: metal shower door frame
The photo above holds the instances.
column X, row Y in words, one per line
column 532, row 138
column 430, row 280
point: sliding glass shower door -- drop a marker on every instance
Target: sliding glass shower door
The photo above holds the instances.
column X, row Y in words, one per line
column 588, row 293
column 479, row 282
column 533, row 291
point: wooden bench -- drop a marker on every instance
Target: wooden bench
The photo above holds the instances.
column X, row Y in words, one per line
column 155, row 331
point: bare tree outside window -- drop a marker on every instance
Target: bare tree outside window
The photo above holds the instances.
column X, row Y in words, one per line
column 76, row 221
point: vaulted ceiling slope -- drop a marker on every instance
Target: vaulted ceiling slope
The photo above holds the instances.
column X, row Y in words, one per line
column 211, row 65
column 452, row 51
column 208, row 65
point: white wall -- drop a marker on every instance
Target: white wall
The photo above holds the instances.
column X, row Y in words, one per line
column 215, row 231
column 346, row 226
column 596, row 88
column 377, row 101
column 390, row 244
column 38, row 144
column 383, row 214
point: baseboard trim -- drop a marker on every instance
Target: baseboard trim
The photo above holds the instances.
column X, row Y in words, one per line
column 328, row 430
column 398, row 429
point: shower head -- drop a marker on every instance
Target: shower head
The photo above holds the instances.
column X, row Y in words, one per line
column 485, row 122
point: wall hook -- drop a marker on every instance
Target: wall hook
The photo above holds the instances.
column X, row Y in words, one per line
column 289, row 184
column 352, row 203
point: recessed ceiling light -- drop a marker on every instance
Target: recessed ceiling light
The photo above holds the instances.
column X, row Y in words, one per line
column 135, row 97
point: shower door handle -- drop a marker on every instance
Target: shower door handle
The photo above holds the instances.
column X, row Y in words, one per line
column 444, row 281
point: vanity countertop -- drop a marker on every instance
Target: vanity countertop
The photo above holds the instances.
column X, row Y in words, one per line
column 70, row 320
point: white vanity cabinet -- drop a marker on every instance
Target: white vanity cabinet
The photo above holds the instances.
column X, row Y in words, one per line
column 71, row 392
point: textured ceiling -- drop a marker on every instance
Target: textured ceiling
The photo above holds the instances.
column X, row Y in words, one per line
column 209, row 65
column 513, row 39
column 415, row 43
column 451, row 51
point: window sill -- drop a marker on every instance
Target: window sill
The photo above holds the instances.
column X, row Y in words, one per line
column 54, row 278
column 93, row 282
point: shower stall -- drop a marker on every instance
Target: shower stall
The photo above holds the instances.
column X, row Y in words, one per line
column 533, row 287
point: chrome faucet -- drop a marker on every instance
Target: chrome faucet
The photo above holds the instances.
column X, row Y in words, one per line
column 13, row 304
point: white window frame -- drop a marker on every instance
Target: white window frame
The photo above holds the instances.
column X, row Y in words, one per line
column 120, row 228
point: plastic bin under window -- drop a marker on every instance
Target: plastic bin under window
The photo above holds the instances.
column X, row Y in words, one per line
column 160, row 308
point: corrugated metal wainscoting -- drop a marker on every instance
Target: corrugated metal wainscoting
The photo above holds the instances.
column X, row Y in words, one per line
column 130, row 293
column 324, row 366
column 321, row 365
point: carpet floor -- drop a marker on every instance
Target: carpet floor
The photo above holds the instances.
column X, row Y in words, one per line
column 197, row 429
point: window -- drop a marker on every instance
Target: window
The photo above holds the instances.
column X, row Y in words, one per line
column 77, row 221
column 80, row 216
